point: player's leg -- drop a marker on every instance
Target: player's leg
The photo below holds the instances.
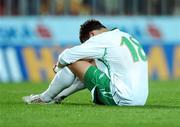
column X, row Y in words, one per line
column 79, row 68
column 63, row 79
column 95, row 80
column 75, row 87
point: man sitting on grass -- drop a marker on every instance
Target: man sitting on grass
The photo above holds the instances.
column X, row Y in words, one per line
column 111, row 64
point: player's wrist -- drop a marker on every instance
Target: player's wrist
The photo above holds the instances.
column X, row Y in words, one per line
column 57, row 67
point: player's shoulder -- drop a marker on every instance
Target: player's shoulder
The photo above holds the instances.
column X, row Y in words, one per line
column 122, row 33
column 105, row 35
column 108, row 36
column 117, row 33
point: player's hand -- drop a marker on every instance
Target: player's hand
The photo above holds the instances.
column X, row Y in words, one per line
column 56, row 68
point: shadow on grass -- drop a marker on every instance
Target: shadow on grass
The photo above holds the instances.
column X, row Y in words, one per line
column 78, row 104
column 161, row 107
column 149, row 106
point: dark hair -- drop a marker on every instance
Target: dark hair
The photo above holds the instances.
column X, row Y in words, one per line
column 87, row 27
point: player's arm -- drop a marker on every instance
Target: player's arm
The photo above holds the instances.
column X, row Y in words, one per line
column 84, row 51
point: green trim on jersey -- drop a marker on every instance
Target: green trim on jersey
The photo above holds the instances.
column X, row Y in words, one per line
column 99, row 81
column 104, row 61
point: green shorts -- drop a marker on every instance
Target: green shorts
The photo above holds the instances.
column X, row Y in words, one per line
column 100, row 83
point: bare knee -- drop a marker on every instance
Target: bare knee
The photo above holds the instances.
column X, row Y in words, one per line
column 80, row 67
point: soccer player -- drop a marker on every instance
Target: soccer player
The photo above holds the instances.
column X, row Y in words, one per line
column 111, row 64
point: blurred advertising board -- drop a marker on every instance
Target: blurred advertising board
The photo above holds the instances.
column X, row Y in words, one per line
column 29, row 46
column 65, row 30
column 35, row 63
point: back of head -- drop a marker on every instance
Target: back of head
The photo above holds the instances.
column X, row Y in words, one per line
column 87, row 27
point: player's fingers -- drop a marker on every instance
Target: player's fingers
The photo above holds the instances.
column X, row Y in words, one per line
column 54, row 68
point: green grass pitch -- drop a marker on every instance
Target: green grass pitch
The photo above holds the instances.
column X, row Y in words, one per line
column 162, row 109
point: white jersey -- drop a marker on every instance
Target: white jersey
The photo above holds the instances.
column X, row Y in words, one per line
column 122, row 59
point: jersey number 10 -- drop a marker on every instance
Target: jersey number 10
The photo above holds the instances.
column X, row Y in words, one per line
column 132, row 43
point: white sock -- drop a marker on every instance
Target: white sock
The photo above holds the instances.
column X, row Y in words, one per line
column 76, row 86
column 63, row 79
